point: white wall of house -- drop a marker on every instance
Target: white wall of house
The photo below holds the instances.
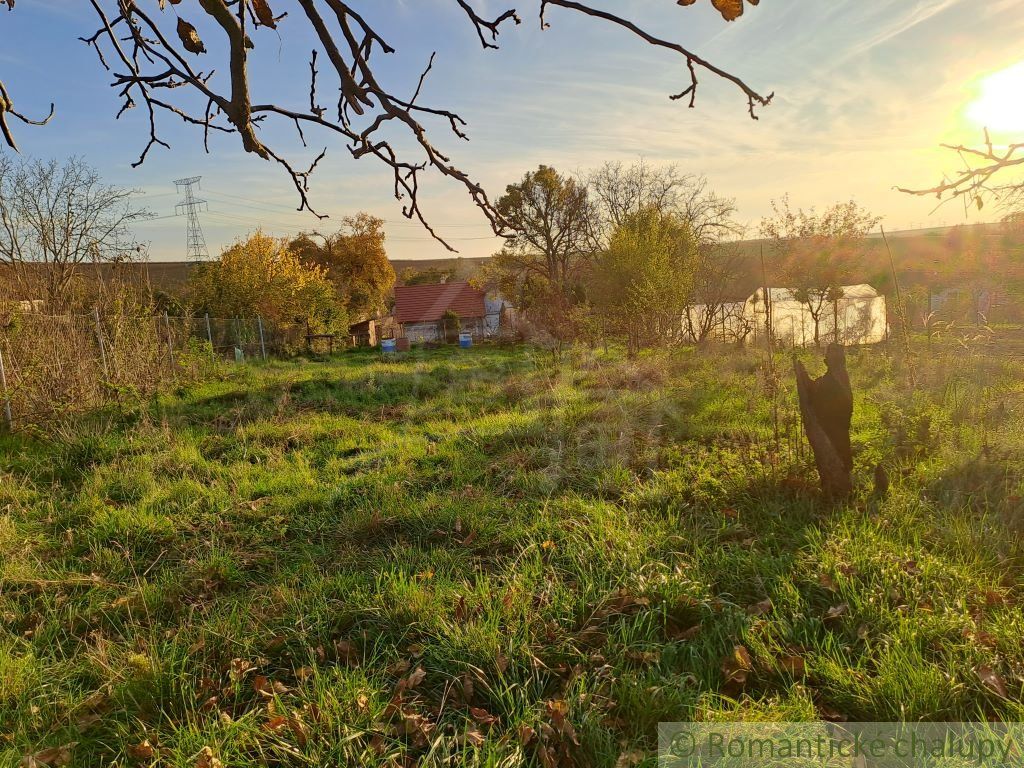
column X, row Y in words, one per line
column 861, row 316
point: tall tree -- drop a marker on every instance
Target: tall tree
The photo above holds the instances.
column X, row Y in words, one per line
column 192, row 64
column 818, row 252
column 550, row 217
column 55, row 217
column 356, row 262
column 542, row 265
column 619, row 192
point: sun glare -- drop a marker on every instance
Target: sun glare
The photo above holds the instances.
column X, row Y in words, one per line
column 1000, row 102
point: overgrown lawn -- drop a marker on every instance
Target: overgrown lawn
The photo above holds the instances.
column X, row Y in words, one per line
column 485, row 557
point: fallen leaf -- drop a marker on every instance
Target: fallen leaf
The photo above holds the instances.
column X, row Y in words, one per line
column 299, row 731
column 629, row 759
column 142, row 751
column 206, row 759
column 473, row 736
column 52, row 757
column 239, row 668
column 836, row 611
column 793, row 665
column 482, row 716
column 737, row 665
column 760, row 609
column 399, row 667
column 526, row 734
column 992, row 680
column 413, row 679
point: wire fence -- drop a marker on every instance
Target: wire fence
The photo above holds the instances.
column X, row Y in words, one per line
column 55, row 365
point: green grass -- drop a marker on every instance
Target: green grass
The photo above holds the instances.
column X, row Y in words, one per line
column 427, row 560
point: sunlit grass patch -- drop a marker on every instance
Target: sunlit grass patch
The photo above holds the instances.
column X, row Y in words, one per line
column 356, row 559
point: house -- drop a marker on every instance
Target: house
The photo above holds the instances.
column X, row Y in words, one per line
column 426, row 312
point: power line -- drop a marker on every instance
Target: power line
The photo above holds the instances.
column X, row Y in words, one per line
column 195, row 243
column 276, row 208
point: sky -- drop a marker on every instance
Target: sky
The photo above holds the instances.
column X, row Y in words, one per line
column 865, row 92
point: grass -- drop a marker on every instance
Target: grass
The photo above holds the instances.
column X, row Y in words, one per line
column 488, row 558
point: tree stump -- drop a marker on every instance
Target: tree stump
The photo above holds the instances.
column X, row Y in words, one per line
column 826, row 407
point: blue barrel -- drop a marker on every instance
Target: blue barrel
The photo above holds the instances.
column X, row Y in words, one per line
column 465, row 340
column 387, row 346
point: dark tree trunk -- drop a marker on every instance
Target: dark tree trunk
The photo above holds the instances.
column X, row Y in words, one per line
column 826, row 407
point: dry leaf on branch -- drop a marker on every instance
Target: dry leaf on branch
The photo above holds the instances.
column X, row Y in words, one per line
column 189, row 37
column 264, row 14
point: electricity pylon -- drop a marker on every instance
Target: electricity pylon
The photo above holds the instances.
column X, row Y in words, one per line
column 195, row 243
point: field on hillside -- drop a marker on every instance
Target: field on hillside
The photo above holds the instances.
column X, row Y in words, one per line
column 486, row 557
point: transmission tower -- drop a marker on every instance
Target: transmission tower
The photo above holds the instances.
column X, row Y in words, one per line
column 195, row 243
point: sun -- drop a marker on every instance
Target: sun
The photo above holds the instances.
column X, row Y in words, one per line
column 1000, row 102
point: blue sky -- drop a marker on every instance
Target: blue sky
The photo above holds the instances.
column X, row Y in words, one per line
column 865, row 92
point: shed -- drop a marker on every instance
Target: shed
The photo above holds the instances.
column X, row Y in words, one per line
column 421, row 310
column 858, row 317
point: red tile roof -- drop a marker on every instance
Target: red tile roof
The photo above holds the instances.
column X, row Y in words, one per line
column 428, row 303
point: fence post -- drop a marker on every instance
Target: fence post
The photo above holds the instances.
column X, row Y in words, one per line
column 263, row 345
column 99, row 336
column 209, row 336
column 170, row 341
column 3, row 391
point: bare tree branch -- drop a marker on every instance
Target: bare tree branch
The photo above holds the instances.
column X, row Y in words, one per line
column 144, row 59
column 974, row 181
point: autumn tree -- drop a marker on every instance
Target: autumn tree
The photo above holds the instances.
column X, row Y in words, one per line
column 191, row 62
column 262, row 276
column 355, row 261
column 54, row 219
column 541, row 266
column 817, row 253
column 641, row 281
column 621, row 193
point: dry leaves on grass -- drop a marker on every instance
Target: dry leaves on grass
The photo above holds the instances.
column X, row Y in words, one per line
column 760, row 609
column 792, row 665
column 992, row 680
column 412, row 680
column 144, row 750
column 207, row 759
column 52, row 757
column 737, row 666
column 837, row 612
column 267, row 687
